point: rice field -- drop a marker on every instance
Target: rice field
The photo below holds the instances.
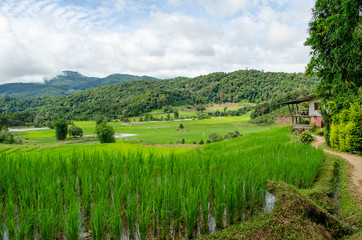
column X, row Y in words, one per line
column 143, row 193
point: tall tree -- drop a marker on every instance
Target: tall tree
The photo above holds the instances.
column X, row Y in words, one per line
column 61, row 129
column 335, row 41
column 336, row 57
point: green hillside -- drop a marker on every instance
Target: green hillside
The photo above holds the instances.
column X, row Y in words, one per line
column 67, row 84
column 133, row 98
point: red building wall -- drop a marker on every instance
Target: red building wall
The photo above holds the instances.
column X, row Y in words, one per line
column 317, row 121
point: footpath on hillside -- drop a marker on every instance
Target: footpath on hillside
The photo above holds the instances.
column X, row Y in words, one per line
column 354, row 160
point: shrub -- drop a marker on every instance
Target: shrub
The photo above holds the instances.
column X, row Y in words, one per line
column 346, row 129
column 61, row 129
column 306, row 137
column 320, row 132
column 201, row 142
column 232, row 135
column 183, row 141
column 105, row 133
column 214, row 137
column 181, row 126
column 333, row 137
column 314, row 127
column 6, row 137
column 263, row 120
column 75, row 131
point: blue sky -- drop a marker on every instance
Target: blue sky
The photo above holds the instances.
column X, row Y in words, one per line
column 166, row 38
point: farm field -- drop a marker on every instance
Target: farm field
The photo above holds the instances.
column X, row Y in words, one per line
column 133, row 191
column 165, row 132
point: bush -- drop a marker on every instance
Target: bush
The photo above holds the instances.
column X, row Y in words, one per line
column 61, row 129
column 314, row 127
column 320, row 132
column 232, row 135
column 201, row 142
column 214, row 137
column 105, row 133
column 75, row 131
column 306, row 137
column 6, row 137
column 263, row 120
column 346, row 129
column 181, row 126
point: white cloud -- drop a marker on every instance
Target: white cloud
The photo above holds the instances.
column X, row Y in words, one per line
column 39, row 39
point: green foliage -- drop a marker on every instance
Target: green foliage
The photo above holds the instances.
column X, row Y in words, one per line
column 75, row 131
column 181, row 126
column 201, row 142
column 346, row 129
column 138, row 97
column 306, row 137
column 232, row 135
column 263, row 120
column 6, row 137
column 61, row 129
column 336, row 39
column 214, row 137
column 105, row 133
column 23, row 118
column 200, row 108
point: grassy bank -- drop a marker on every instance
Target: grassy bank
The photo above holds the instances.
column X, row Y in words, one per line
column 307, row 213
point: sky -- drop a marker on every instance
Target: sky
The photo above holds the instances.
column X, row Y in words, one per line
column 160, row 38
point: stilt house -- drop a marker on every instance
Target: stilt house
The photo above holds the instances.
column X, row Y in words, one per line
column 298, row 113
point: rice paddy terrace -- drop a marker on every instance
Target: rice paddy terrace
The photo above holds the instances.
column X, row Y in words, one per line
column 114, row 191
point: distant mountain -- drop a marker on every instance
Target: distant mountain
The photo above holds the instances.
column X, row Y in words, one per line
column 66, row 84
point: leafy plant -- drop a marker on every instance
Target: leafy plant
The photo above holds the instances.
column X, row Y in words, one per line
column 61, row 129
column 105, row 133
column 214, row 137
column 75, row 131
column 306, row 137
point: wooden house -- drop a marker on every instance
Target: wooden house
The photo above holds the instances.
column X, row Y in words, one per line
column 298, row 113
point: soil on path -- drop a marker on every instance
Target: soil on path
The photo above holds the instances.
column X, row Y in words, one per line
column 355, row 160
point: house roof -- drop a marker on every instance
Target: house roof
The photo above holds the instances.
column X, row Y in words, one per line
column 300, row 100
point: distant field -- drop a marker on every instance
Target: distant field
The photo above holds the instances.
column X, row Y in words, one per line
column 165, row 132
column 190, row 111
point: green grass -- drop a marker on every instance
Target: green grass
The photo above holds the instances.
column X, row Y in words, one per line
column 152, row 132
column 154, row 188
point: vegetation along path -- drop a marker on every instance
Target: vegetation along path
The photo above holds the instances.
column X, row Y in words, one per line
column 355, row 160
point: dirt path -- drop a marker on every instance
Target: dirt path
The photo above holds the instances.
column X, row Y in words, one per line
column 355, row 160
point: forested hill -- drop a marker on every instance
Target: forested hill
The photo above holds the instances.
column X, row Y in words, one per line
column 136, row 97
column 66, row 84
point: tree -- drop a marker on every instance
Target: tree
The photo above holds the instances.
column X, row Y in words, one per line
column 176, row 114
column 200, row 108
column 61, row 129
column 105, row 133
column 336, row 56
column 335, row 41
column 75, row 131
